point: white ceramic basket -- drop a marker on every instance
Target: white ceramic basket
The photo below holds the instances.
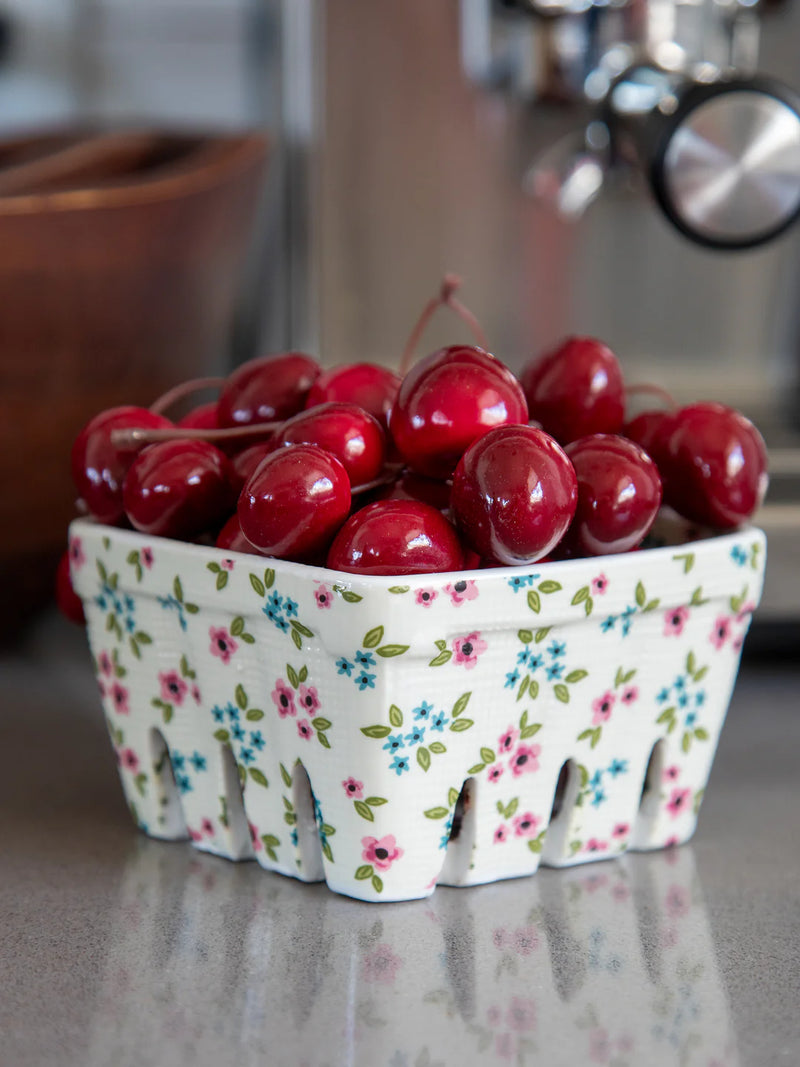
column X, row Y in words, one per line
column 327, row 724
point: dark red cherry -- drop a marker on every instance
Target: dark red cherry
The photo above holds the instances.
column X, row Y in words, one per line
column 412, row 486
column 372, row 387
column 619, row 494
column 575, row 390
column 646, row 430
column 346, row 431
column 68, row 601
column 231, row 537
column 396, row 537
column 99, row 468
column 244, row 463
column 295, row 503
column 449, row 399
column 267, row 388
column 178, row 489
column 514, row 494
column 203, row 417
column 713, row 463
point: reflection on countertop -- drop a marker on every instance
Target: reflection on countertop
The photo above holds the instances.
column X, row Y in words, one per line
column 119, row 949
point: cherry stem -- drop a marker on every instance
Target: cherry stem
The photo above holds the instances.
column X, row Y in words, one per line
column 129, row 438
column 653, row 390
column 444, row 298
column 179, row 392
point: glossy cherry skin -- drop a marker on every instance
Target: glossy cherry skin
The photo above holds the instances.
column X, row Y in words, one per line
column 203, row 417
column 619, row 494
column 295, row 503
column 514, row 495
column 369, row 385
column 575, row 390
column 645, row 430
column 231, row 537
column 412, row 486
column 347, row 431
column 178, row 489
column 713, row 463
column 69, row 603
column 396, row 537
column 267, row 388
column 99, row 468
column 449, row 399
column 244, row 463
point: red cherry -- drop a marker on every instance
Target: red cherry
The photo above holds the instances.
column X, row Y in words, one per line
column 449, row 399
column 178, row 489
column 514, row 494
column 713, row 463
column 295, row 503
column 575, row 390
column 267, row 388
column 396, row 537
column 231, row 537
column 412, row 486
column 244, row 463
column 69, row 603
column 346, row 431
column 99, row 468
column 646, row 430
column 619, row 494
column 203, row 417
column 369, row 385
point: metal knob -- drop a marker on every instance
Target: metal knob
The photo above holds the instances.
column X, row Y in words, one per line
column 726, row 164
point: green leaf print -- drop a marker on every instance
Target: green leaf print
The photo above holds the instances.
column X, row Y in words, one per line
column 373, row 637
column 376, row 731
column 576, row 676
column 299, row 628
column 237, row 626
column 452, row 796
column 376, row 802
column 254, row 714
column 258, row 776
column 441, row 659
column 534, row 601
column 461, row 704
column 686, row 558
column 487, row 755
column 437, row 747
column 269, row 577
column 364, row 872
column 423, row 758
column 287, row 778
column 377, row 883
column 641, row 595
column 222, row 736
column 241, row 697
column 257, row 584
column 541, row 634
column 525, row 636
column 549, row 586
column 562, row 693
column 364, row 810
column 460, row 725
column 395, row 716
column 396, row 589
column 387, row 651
column 437, row 813
column 580, row 596
column 221, row 582
column 291, row 674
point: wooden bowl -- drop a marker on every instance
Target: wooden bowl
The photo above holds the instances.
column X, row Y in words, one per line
column 120, row 264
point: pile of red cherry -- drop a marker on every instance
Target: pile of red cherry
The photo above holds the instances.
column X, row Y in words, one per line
column 457, row 464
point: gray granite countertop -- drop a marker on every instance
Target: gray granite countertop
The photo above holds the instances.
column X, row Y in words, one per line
column 115, row 949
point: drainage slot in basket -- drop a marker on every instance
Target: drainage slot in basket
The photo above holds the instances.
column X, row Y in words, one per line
column 310, row 827
column 564, row 796
column 234, row 817
column 170, row 822
column 461, row 836
column 650, row 801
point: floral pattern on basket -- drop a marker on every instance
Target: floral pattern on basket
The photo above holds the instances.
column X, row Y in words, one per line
column 446, row 712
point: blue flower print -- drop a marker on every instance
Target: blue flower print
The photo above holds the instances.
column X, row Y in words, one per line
column 555, row 670
column 738, row 555
column 626, row 617
column 393, row 742
column 365, row 681
column 608, row 623
column 178, row 761
column 417, row 736
column 275, row 601
column 691, row 719
column 679, row 683
column 617, row 766
column 400, row 764
column 365, row 659
column 344, row 666
column 290, row 607
column 683, row 699
column 595, row 780
column 423, row 712
column 294, row 838
column 183, row 783
column 218, row 713
column 663, row 696
column 246, row 755
column 198, row 761
column 237, row 732
column 233, row 712
column 557, row 648
column 439, row 721
column 257, row 740
column 512, row 677
column 182, row 767
column 521, row 581
column 598, row 798
column 446, row 830
column 700, row 698
column 282, row 624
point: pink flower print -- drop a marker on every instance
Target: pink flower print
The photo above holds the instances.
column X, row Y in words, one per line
column 146, row 556
column 621, row 830
column 721, row 632
column 353, row 788
column 283, row 699
column 499, row 940
column 129, row 760
column 501, row 834
column 207, row 827
column 226, row 564
column 671, row 842
column 195, row 835
column 521, row 1014
column 309, row 699
column 629, row 694
column 323, row 596
column 381, row 852
column 495, row 773
column 467, row 649
column 104, row 663
column 599, row 585
column 525, row 940
column 526, row 825
column 425, row 596
column 595, row 845
column 173, row 687
column 381, row 965
column 745, row 611
column 461, row 591
column 508, row 739
column 602, row 708
column 222, row 644
column 119, row 696
column 305, row 729
column 525, row 759
column 196, row 693
column 77, row 556
column 671, row 774
column 255, row 840
column 678, row 801
column 599, row 1046
column 674, row 621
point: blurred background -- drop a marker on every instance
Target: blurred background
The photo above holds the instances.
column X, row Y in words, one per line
column 187, row 183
